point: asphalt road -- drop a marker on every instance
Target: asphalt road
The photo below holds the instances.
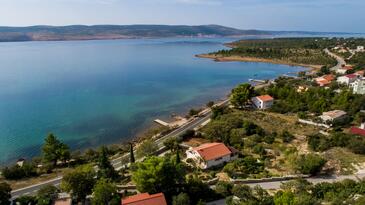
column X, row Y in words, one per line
column 340, row 60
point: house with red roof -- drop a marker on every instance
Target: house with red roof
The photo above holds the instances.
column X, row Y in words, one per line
column 145, row 199
column 211, row 154
column 325, row 80
column 358, row 130
column 263, row 101
column 347, row 79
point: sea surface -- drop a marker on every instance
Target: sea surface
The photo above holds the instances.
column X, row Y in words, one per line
column 90, row 93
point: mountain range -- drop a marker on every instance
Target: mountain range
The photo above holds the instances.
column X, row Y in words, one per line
column 98, row 32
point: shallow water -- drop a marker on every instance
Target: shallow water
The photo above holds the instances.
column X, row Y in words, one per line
column 99, row 92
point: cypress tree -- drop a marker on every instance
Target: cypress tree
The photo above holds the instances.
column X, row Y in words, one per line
column 132, row 160
column 178, row 160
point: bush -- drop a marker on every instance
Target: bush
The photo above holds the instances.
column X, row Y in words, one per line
column 309, row 164
column 18, row 172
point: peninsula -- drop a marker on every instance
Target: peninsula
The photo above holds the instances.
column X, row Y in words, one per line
column 308, row 52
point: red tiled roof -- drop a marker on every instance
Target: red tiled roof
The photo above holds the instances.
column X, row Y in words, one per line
column 351, row 76
column 265, row 98
column 323, row 82
column 360, row 72
column 357, row 131
column 329, row 77
column 347, row 67
column 145, row 199
column 211, row 151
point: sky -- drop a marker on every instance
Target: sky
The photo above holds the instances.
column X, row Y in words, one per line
column 289, row 15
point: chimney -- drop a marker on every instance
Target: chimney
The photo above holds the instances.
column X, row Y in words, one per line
column 362, row 126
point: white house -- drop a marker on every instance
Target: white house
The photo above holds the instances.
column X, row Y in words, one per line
column 360, row 49
column 211, row 154
column 332, row 116
column 347, row 79
column 358, row 87
column 343, row 70
column 263, row 101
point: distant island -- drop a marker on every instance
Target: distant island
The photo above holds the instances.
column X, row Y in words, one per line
column 104, row 32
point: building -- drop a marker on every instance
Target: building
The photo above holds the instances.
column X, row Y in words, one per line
column 333, row 116
column 360, row 73
column 358, row 130
column 358, row 87
column 211, row 154
column 145, row 199
column 347, row 79
column 325, row 80
column 360, row 49
column 263, row 101
column 63, row 199
column 343, row 70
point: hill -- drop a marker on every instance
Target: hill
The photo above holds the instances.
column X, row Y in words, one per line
column 82, row 32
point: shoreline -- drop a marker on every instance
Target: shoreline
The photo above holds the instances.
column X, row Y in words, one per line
column 219, row 58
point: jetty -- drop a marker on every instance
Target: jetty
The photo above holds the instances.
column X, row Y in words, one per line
column 257, row 80
column 163, row 123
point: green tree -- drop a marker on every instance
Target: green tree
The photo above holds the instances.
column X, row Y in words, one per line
column 224, row 188
column 26, row 200
column 54, row 150
column 63, row 153
column 146, row 149
column 104, row 191
column 241, row 95
column 79, row 182
column 46, row 195
column 156, row 174
column 181, row 199
column 5, row 193
column 106, row 169
column 172, row 144
column 284, row 198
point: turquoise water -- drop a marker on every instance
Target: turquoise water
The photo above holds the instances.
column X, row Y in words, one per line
column 99, row 92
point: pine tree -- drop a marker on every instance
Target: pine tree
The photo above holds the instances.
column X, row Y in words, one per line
column 106, row 169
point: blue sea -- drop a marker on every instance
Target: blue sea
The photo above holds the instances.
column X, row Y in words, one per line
column 90, row 93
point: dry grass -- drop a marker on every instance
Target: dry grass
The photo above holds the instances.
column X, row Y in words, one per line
column 343, row 161
column 275, row 122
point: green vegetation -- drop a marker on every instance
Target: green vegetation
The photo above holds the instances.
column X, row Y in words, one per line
column 19, row 172
column 241, row 95
column 106, row 170
column 54, row 150
column 146, row 148
column 5, row 193
column 308, row 164
column 314, row 100
column 358, row 61
column 322, row 143
column 79, row 182
column 156, row 175
column 292, row 50
column 105, row 192
column 46, row 195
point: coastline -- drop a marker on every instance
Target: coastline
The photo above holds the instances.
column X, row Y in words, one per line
column 219, row 58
